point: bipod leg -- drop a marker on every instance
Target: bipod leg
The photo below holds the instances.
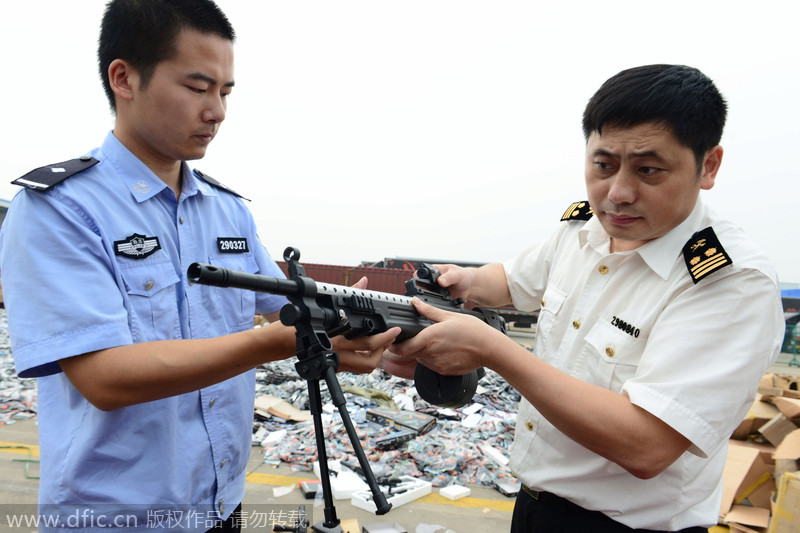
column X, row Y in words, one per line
column 331, row 522
column 337, row 396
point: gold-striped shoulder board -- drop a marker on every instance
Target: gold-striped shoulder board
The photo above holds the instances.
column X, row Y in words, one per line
column 704, row 254
column 578, row 211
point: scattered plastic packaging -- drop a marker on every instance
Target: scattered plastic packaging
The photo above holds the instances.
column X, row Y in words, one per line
column 448, row 453
column 454, row 492
column 282, row 490
column 17, row 396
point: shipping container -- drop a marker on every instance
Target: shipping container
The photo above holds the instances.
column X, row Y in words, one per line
column 378, row 279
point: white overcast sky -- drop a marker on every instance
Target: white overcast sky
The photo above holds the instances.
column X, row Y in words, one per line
column 434, row 129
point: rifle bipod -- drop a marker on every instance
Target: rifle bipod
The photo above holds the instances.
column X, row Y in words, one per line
column 317, row 360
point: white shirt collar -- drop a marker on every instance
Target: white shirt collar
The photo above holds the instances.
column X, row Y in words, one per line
column 660, row 253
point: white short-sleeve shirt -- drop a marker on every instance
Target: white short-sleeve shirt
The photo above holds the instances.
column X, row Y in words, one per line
column 636, row 323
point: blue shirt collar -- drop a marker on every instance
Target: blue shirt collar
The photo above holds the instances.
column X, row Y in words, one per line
column 140, row 180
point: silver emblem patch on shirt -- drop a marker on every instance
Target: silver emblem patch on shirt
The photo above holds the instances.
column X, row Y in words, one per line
column 137, row 246
column 141, row 186
column 232, row 245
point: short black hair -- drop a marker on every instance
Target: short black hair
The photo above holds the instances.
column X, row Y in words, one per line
column 145, row 32
column 681, row 98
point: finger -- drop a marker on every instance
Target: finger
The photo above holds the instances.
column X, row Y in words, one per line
column 444, row 279
column 361, row 284
column 410, row 347
column 397, row 365
column 359, row 362
column 368, row 343
column 382, row 340
column 448, row 275
column 429, row 311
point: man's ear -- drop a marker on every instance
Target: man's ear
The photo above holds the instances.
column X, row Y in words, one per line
column 122, row 78
column 711, row 163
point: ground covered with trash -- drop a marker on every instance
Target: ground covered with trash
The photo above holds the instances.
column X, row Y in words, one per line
column 17, row 396
column 469, row 445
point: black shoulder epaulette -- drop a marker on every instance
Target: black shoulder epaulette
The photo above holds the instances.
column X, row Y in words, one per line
column 215, row 183
column 704, row 254
column 578, row 211
column 47, row 177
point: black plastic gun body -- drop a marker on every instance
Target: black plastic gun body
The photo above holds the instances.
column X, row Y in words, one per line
column 357, row 312
column 319, row 311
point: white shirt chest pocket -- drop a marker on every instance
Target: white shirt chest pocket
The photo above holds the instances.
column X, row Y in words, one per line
column 552, row 300
column 617, row 351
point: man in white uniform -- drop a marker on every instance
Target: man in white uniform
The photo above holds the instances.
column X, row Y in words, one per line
column 657, row 321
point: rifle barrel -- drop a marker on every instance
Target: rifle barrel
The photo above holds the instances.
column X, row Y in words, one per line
column 217, row 276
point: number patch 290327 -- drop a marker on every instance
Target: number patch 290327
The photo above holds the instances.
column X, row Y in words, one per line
column 232, row 245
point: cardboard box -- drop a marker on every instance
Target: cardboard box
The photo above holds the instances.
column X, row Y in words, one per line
column 739, row 528
column 788, row 406
column 787, row 454
column 776, row 429
column 747, row 476
column 745, row 519
column 786, row 511
column 779, row 385
column 767, row 387
column 790, row 385
column 790, row 447
column 759, row 414
column 750, row 494
column 267, row 405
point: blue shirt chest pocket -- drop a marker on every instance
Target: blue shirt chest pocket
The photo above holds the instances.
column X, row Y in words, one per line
column 237, row 307
column 152, row 301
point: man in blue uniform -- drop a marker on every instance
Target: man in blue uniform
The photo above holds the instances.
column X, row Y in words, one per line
column 146, row 383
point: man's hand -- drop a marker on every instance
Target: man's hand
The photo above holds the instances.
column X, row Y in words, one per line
column 486, row 285
column 397, row 365
column 362, row 355
column 456, row 279
column 457, row 344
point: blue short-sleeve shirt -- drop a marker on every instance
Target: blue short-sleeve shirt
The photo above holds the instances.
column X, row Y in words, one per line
column 99, row 261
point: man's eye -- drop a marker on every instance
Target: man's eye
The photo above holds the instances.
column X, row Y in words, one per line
column 197, row 90
column 648, row 171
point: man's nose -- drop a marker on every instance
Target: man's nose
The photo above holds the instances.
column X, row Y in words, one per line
column 623, row 188
column 215, row 110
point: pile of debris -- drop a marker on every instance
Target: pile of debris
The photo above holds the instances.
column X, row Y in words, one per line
column 762, row 470
column 401, row 434
column 17, row 396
